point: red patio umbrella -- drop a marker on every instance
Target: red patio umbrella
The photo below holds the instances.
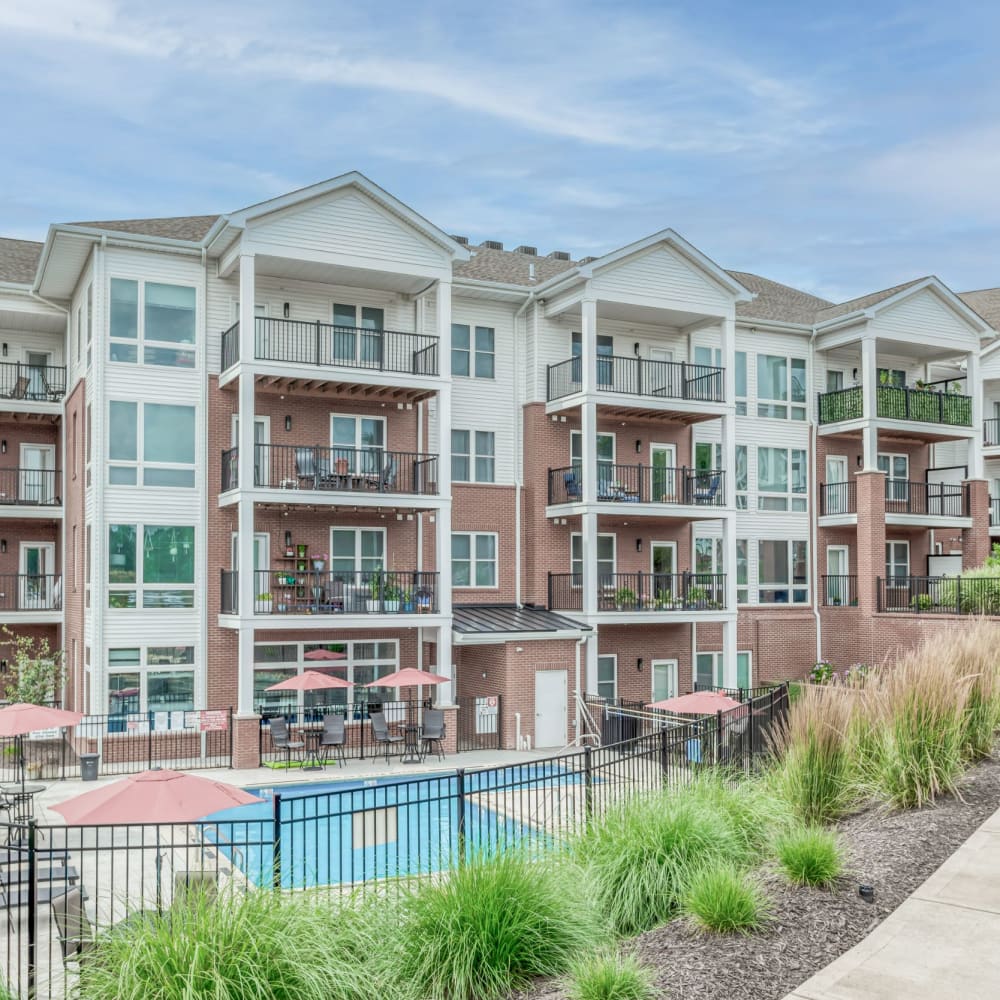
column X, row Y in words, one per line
column 309, row 680
column 19, row 719
column 324, row 654
column 698, row 703
column 408, row 677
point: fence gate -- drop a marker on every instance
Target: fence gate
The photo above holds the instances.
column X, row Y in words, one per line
column 480, row 724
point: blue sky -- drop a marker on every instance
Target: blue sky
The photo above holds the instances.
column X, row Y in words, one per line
column 840, row 150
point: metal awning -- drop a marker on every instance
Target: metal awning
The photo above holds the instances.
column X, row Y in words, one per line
column 491, row 623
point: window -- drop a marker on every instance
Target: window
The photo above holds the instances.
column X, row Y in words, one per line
column 892, row 376
column 782, row 572
column 711, row 356
column 605, row 459
column 474, row 559
column 472, row 351
column 741, row 383
column 463, row 462
column 707, row 456
column 773, row 466
column 164, row 575
column 708, row 555
column 780, row 381
column 741, row 477
column 359, row 442
column 897, row 560
column 166, row 334
column 709, row 670
column 354, row 343
column 605, row 359
column 164, row 437
column 897, row 470
column 605, row 557
column 356, row 550
column 742, row 572
column 834, row 380
column 137, row 681
column 607, row 677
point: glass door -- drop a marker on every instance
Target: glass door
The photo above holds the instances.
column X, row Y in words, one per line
column 358, row 445
column 663, row 559
column 664, row 679
column 38, row 384
column 605, row 359
column 358, row 344
column 897, row 469
column 38, row 590
column 835, row 499
column 663, row 482
column 37, row 477
column 837, row 583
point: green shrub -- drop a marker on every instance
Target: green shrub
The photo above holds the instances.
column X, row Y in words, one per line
column 639, row 855
column 242, row 947
column 722, row 898
column 492, row 926
column 609, row 976
column 809, row 856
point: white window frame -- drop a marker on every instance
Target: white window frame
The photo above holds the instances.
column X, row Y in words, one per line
column 717, row 554
column 790, row 498
column 139, row 463
column 144, row 668
column 139, row 586
column 670, row 664
column 358, row 532
column 718, row 677
column 892, row 543
column 141, row 341
column 473, row 456
column 573, row 560
column 472, row 352
column 613, row 657
column 355, row 467
column 791, row 586
column 896, row 489
column 474, row 560
column 794, row 410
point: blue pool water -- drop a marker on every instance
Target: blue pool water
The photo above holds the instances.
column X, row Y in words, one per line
column 350, row 831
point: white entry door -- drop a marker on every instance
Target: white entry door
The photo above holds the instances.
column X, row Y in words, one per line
column 37, row 477
column 836, row 485
column 550, row 708
column 664, row 679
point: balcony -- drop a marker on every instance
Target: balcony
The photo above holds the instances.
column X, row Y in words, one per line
column 370, row 472
column 21, row 592
column 995, row 512
column 30, row 487
column 31, row 383
column 838, row 498
column 639, row 377
column 641, row 484
column 904, row 501
column 929, row 406
column 324, row 345
column 287, row 592
column 939, row 595
column 840, row 591
column 991, row 433
column 626, row 593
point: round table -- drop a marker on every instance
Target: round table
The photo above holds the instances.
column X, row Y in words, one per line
column 21, row 798
column 412, row 745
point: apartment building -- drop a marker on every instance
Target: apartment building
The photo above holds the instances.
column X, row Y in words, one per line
column 322, row 423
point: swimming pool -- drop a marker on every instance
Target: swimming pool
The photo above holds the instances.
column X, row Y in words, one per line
column 356, row 830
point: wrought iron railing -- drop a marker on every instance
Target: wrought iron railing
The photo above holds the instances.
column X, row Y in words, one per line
column 942, row 595
column 994, row 512
column 30, row 487
column 33, row 383
column 340, row 469
column 641, row 484
column 28, row 592
column 639, row 377
column 933, row 499
column 991, row 432
column 838, row 498
column 629, row 592
column 898, row 403
column 319, row 591
column 840, row 590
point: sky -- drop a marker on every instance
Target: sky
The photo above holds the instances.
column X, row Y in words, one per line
column 840, row 148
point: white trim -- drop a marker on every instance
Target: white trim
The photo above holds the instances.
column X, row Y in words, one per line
column 474, row 561
column 614, row 658
column 670, row 662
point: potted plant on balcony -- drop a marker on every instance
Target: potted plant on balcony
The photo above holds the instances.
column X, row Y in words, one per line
column 697, row 597
column 319, row 561
column 391, row 598
column 375, row 594
column 625, row 599
column 264, row 604
column 406, row 598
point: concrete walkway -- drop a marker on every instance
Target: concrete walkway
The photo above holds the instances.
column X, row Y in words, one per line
column 943, row 942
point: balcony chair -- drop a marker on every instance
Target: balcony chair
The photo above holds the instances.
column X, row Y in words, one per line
column 571, row 485
column 706, row 494
column 432, row 735
column 282, row 741
column 305, row 466
column 334, row 735
column 76, row 935
column 380, row 729
column 20, row 390
column 389, row 475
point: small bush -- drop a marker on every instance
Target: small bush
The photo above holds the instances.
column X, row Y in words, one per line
column 609, row 976
column 639, row 856
column 724, row 899
column 492, row 926
column 810, row 856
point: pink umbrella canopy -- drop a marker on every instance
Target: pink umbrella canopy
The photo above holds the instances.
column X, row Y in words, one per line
column 408, row 677
column 158, row 796
column 309, row 680
column 324, row 654
column 19, row 719
column 698, row 703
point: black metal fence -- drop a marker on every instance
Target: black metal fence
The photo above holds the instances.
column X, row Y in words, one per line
column 639, row 377
column 340, row 469
column 840, row 590
column 30, row 487
column 64, row 887
column 641, row 484
column 35, row 383
column 627, row 592
column 940, row 595
column 30, row 592
column 991, row 432
column 994, row 512
column 933, row 499
column 838, row 498
column 897, row 402
column 480, row 723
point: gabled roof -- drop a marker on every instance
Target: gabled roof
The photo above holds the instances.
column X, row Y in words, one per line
column 986, row 302
column 777, row 302
column 503, row 619
column 866, row 301
column 19, row 260
column 181, row 227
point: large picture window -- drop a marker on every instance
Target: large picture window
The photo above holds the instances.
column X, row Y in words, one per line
column 782, row 572
column 151, row 566
column 781, row 387
column 150, row 444
column 152, row 678
column 153, row 321
column 781, row 479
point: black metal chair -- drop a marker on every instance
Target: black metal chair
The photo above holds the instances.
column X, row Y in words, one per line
column 433, row 732
column 380, row 729
column 305, row 466
column 334, row 735
column 571, row 485
column 282, row 741
column 76, row 935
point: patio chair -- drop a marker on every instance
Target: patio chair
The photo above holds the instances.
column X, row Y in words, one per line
column 433, row 732
column 76, row 935
column 282, row 741
column 334, row 735
column 572, row 487
column 388, row 481
column 305, row 464
column 380, row 729
column 20, row 390
column 706, row 494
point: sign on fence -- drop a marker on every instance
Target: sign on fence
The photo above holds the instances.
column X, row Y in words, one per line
column 486, row 714
column 214, row 721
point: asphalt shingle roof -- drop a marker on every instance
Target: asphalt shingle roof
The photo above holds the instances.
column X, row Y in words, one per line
column 509, row 267
column 775, row 301
column 19, row 260
column 864, row 301
column 986, row 302
column 181, row 227
column 485, row 619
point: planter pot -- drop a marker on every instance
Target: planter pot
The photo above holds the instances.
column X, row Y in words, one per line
column 282, row 607
column 372, row 606
column 392, row 607
column 318, row 564
column 407, row 607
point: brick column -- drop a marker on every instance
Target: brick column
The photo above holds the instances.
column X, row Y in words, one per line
column 976, row 542
column 246, row 741
column 450, row 742
column 871, row 537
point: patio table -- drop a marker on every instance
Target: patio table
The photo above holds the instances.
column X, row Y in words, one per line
column 412, row 745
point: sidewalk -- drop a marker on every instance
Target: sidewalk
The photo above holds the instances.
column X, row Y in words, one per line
column 941, row 943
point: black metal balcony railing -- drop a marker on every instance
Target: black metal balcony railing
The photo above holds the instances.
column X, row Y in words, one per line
column 34, row 383
column 30, row 487
column 933, row 499
column 26, row 592
column 641, row 591
column 326, row 345
column 991, row 432
column 898, row 403
column 639, row 377
column 840, row 591
column 994, row 512
column 940, row 595
column 838, row 498
column 641, row 484
column 331, row 592
column 352, row 470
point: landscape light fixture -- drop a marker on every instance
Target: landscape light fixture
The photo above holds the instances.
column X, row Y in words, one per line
column 867, row 893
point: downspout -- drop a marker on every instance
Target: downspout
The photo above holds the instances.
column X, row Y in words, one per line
column 518, row 442
column 576, row 701
column 811, row 495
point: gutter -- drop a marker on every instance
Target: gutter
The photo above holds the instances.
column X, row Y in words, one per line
column 813, row 512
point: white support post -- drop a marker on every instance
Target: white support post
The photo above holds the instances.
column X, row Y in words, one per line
column 247, row 583
column 973, row 386
column 869, row 396
column 591, row 647
column 442, row 532
column 729, row 643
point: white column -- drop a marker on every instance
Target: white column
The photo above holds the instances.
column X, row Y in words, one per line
column 974, row 387
column 442, row 526
column 247, row 584
column 869, row 396
column 729, row 652
column 591, row 648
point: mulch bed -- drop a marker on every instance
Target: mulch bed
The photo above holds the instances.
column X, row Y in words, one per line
column 894, row 852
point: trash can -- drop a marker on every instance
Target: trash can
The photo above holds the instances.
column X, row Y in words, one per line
column 89, row 763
